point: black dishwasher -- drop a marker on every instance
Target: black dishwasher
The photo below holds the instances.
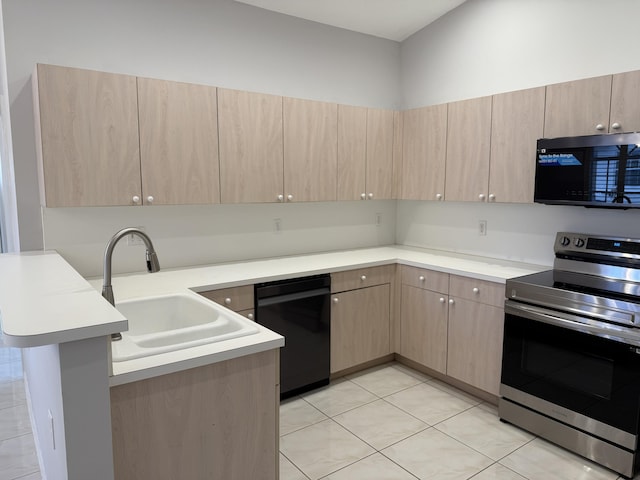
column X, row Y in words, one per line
column 299, row 310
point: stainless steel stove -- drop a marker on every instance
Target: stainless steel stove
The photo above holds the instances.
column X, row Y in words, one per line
column 571, row 355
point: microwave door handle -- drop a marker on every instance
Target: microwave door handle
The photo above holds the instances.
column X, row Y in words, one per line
column 573, row 322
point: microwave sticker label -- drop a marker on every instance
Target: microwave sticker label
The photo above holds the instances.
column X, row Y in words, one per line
column 558, row 160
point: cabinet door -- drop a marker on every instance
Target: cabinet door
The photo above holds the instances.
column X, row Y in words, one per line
column 251, row 148
column 423, row 153
column 359, row 326
column 379, row 154
column 468, row 149
column 475, row 344
column 178, row 143
column 625, row 98
column 352, row 152
column 578, row 107
column 87, row 126
column 517, row 122
column 423, row 327
column 310, row 150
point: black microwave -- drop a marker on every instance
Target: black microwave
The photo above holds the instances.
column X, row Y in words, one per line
column 592, row 171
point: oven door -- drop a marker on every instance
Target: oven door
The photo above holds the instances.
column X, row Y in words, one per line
column 577, row 377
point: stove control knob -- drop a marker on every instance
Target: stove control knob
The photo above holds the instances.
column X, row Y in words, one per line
column 564, row 241
column 579, row 242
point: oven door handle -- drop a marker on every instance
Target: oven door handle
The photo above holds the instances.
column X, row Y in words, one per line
column 577, row 323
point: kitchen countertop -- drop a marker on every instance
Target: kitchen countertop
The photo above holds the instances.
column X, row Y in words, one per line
column 43, row 300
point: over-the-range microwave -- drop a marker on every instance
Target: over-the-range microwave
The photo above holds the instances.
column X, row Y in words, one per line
column 592, row 171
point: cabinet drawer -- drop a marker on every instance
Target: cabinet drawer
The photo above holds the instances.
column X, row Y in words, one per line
column 234, row 298
column 489, row 293
column 361, row 278
column 425, row 279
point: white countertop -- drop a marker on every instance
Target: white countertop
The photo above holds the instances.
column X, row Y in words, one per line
column 43, row 300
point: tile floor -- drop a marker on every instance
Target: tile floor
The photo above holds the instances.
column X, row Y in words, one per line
column 386, row 423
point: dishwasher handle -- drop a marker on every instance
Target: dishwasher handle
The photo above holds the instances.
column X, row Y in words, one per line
column 290, row 297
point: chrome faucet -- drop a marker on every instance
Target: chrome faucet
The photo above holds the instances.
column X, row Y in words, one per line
column 152, row 263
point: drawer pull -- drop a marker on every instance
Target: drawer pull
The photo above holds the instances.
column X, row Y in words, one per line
column 442, row 300
column 250, row 316
column 451, row 302
column 476, row 290
column 363, row 278
column 227, row 301
column 421, row 278
column 336, row 299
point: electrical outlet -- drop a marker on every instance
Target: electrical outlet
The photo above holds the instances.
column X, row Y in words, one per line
column 133, row 239
column 482, row 227
column 277, row 225
column 378, row 219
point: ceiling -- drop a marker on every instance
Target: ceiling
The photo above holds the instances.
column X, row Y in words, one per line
column 391, row 19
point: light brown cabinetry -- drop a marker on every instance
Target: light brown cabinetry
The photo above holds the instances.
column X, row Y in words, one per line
column 360, row 316
column 310, row 150
column 365, row 153
column 424, row 133
column 593, row 105
column 423, row 317
column 87, row 137
column 474, row 347
column 239, row 299
column 218, row 421
column 468, row 150
column 453, row 325
column 178, row 143
column 517, row 122
column 251, row 147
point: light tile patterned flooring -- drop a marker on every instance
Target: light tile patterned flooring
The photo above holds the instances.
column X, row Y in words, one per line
column 386, row 423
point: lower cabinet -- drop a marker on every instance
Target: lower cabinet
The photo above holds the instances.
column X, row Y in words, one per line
column 359, row 326
column 474, row 348
column 361, row 303
column 453, row 325
column 218, row 422
column 423, row 331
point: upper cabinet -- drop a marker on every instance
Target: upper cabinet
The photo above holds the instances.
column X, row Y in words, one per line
column 468, row 148
column 424, row 133
column 517, row 121
column 178, row 143
column 87, row 137
column 251, row 147
column 593, row 105
column 310, row 150
column 365, row 153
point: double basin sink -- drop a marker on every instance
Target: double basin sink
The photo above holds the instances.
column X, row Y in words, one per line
column 174, row 322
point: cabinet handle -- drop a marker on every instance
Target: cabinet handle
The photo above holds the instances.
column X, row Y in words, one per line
column 136, row 199
column 150, row 199
column 370, row 196
column 476, row 290
column 615, row 126
column 492, row 197
column 438, row 196
column 481, row 197
column 451, row 302
column 250, row 316
column 363, row 278
column 363, row 196
column 227, row 301
column 281, row 198
column 336, row 299
column 289, row 197
column 442, row 300
column 421, row 278
column 599, row 127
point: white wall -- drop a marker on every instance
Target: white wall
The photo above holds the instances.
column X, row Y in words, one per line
column 216, row 42
column 491, row 46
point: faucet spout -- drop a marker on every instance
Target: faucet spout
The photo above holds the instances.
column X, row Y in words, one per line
column 152, row 261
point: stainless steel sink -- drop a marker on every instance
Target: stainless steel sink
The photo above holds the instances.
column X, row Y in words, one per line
column 174, row 322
